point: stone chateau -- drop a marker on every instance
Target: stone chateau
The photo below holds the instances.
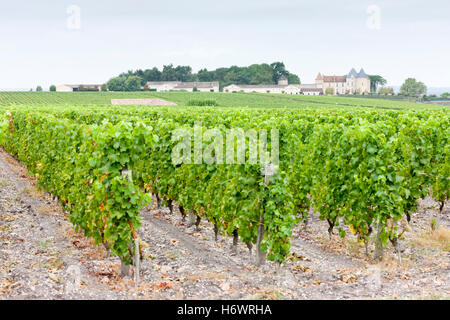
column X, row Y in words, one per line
column 353, row 82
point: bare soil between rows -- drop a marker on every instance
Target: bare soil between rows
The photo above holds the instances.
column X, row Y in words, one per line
column 41, row 257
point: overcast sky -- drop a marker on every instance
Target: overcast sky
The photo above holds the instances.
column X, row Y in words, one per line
column 42, row 43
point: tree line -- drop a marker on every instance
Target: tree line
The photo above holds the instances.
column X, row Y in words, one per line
column 411, row 87
column 255, row 74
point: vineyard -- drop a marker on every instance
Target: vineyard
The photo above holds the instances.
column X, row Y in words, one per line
column 232, row 100
column 360, row 168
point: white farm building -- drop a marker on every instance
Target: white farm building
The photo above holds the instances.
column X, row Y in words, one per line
column 282, row 87
column 353, row 82
column 182, row 86
column 78, row 87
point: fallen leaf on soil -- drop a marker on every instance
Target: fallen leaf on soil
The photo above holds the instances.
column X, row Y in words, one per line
column 54, row 277
column 296, row 257
column 342, row 271
column 349, row 278
column 159, row 214
column 5, row 286
column 405, row 277
column 225, row 286
column 303, row 268
column 165, row 269
column 143, row 245
column 8, row 218
column 180, row 295
column 163, row 285
column 149, row 256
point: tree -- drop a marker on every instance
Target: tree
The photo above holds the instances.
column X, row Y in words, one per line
column 117, row 84
column 183, row 73
column 278, row 70
column 39, row 88
column 329, row 91
column 133, row 83
column 445, row 95
column 169, row 73
column 375, row 81
column 255, row 74
column 413, row 87
column 205, row 75
column 52, row 87
column 231, row 77
column 152, row 75
column 104, row 87
column 293, row 78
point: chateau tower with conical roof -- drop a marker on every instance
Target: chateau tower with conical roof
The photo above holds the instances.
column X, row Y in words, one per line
column 283, row 81
column 353, row 82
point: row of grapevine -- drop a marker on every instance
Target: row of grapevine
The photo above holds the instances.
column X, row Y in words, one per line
column 364, row 169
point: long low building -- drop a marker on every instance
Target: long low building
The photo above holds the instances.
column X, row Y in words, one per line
column 282, row 87
column 352, row 83
column 78, row 87
column 161, row 86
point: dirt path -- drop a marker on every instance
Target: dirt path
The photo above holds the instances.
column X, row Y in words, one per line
column 41, row 257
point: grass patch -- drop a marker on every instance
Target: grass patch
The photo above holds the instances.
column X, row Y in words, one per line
column 45, row 244
column 45, row 209
column 209, row 275
column 267, row 295
column 354, row 246
column 172, row 255
column 438, row 239
column 30, row 192
column 54, row 263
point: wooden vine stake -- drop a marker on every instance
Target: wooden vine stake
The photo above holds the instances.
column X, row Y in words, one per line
column 125, row 269
column 137, row 261
column 260, row 254
column 192, row 218
column 379, row 250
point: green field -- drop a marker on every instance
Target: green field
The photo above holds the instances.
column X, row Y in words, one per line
column 254, row 100
column 361, row 163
